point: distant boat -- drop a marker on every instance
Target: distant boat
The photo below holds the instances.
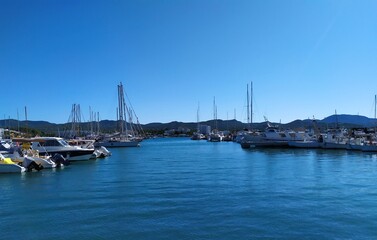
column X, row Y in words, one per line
column 273, row 137
column 335, row 139
column 198, row 136
column 117, row 142
column 215, row 136
column 128, row 135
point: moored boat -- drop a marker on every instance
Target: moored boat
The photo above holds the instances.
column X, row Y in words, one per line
column 54, row 145
column 8, row 166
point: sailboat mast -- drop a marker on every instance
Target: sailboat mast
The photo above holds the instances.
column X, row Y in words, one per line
column 214, row 112
column 197, row 117
column 120, row 109
column 248, row 106
column 375, row 103
column 18, row 122
column 27, row 129
column 251, row 105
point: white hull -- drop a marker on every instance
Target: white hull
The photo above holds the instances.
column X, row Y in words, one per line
column 11, row 168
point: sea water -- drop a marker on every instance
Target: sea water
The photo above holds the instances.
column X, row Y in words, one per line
column 176, row 188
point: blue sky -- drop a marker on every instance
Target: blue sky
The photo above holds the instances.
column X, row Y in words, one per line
column 305, row 58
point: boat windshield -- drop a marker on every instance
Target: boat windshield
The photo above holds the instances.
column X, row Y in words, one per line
column 63, row 143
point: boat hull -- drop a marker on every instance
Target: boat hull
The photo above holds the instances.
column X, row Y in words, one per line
column 11, row 168
column 77, row 155
column 304, row 144
column 369, row 148
column 331, row 145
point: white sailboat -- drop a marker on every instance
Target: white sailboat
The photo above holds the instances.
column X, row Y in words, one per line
column 126, row 137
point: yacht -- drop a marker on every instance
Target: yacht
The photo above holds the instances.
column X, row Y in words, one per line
column 116, row 141
column 272, row 137
column 55, row 145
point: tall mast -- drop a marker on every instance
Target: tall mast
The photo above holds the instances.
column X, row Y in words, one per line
column 18, row 122
column 214, row 112
column 248, row 106
column 97, row 123
column 122, row 110
column 375, row 103
column 197, row 117
column 91, row 120
column 251, row 105
column 27, row 130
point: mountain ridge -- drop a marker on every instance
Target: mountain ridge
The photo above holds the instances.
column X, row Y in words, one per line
column 340, row 120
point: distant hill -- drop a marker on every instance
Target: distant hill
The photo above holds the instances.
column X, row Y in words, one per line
column 350, row 119
column 343, row 120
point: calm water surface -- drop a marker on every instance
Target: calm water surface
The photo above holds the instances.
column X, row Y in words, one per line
column 183, row 189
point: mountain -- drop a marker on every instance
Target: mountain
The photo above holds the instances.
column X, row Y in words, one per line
column 350, row 119
column 343, row 120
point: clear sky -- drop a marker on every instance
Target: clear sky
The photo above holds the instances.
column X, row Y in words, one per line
column 305, row 58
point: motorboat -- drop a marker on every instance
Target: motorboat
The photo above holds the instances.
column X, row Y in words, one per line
column 99, row 151
column 116, row 142
column 197, row 136
column 55, row 145
column 335, row 139
column 8, row 166
column 215, row 136
column 31, row 155
column 272, row 137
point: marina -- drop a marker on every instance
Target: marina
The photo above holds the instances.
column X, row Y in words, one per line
column 179, row 188
column 248, row 120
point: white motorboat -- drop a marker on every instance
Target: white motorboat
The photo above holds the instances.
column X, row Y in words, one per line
column 8, row 166
column 273, row 137
column 335, row 139
column 54, row 145
column 32, row 155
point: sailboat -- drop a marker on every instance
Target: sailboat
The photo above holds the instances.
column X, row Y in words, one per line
column 197, row 135
column 371, row 145
column 126, row 135
column 215, row 135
